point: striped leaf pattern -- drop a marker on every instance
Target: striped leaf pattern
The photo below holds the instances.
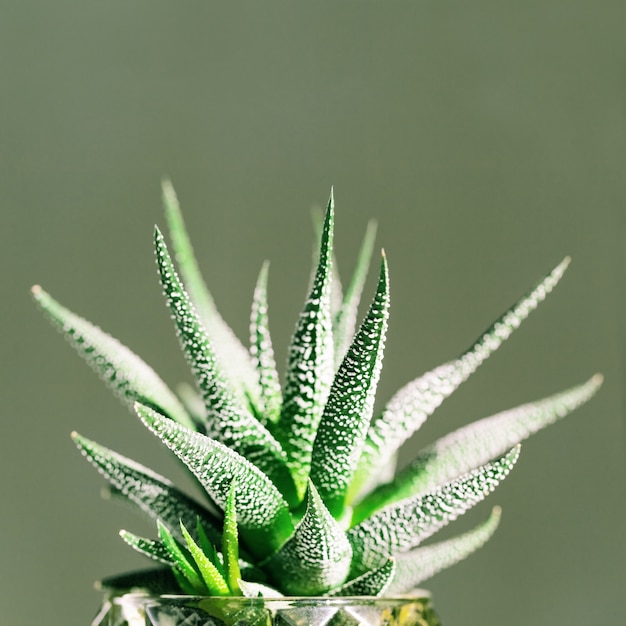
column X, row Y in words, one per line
column 404, row 525
column 263, row 514
column 310, row 368
column 301, row 496
column 122, row 370
column 409, row 407
column 350, row 404
column 227, row 421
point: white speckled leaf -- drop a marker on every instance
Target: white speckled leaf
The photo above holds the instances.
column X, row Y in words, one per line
column 412, row 404
column 154, row 550
column 317, row 556
column 416, row 566
column 262, row 513
column 347, row 414
column 231, row 353
column 263, row 353
column 153, row 494
column 475, row 444
column 310, row 369
column 122, row 370
column 227, row 421
column 344, row 322
column 404, row 525
column 374, row 582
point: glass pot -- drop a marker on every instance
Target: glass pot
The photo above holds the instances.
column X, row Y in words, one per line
column 136, row 609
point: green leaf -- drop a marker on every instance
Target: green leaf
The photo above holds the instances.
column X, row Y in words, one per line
column 263, row 353
column 418, row 565
column 231, row 353
column 154, row 580
column 230, row 542
column 151, row 493
column 475, row 444
column 263, row 515
column 412, row 404
column 183, row 560
column 374, row 582
column 344, row 322
column 336, row 295
column 215, row 583
column 405, row 524
column 122, row 370
column 318, row 554
column 227, row 421
column 310, row 368
column 347, row 414
column 154, row 550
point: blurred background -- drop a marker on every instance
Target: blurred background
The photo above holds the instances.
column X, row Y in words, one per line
column 487, row 137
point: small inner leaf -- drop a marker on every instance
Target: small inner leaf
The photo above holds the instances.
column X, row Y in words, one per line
column 230, row 543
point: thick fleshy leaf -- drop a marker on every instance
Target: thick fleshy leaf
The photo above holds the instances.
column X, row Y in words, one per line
column 122, row 370
column 318, row 554
column 347, row 414
column 418, row 565
column 310, row 368
column 211, row 576
column 412, row 404
column 404, row 525
column 155, row 495
column 154, row 550
column 262, row 513
column 263, row 353
column 232, row 355
column 475, row 444
column 374, row 582
column 344, row 322
column 227, row 420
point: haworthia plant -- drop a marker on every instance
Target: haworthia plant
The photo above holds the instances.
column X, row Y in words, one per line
column 299, row 498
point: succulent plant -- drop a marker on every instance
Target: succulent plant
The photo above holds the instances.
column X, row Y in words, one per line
column 301, row 497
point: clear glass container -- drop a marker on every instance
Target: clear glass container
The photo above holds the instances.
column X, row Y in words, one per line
column 142, row 610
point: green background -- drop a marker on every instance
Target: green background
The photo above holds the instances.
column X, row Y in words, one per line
column 487, row 137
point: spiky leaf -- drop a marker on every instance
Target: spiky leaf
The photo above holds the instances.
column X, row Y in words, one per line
column 154, row 550
column 183, row 559
column 348, row 411
column 318, row 554
column 122, row 370
column 310, row 368
column 410, row 406
column 344, row 322
column 153, row 494
column 230, row 542
column 419, row 565
column 211, row 576
column 405, row 524
column 374, row 582
column 232, row 355
column 227, row 421
column 263, row 515
column 475, row 444
column 263, row 353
